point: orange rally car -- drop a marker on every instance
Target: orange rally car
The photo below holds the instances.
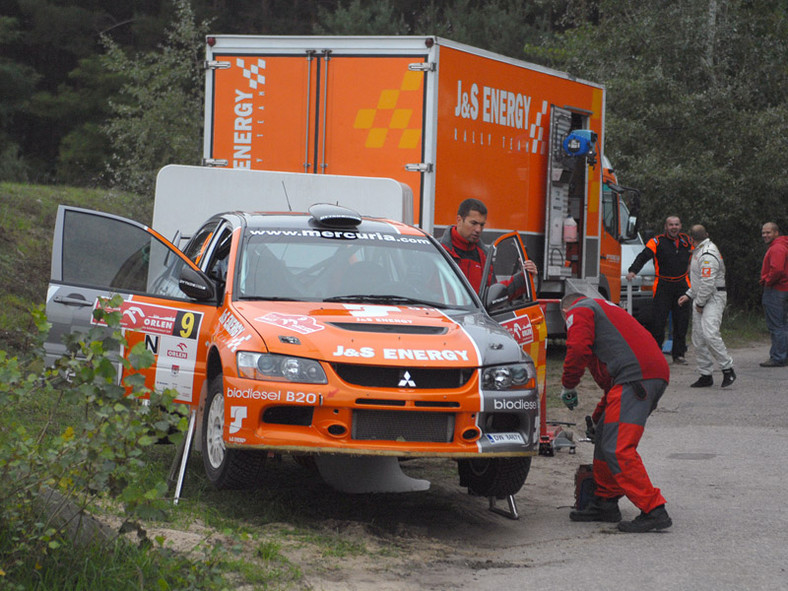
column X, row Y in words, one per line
column 316, row 333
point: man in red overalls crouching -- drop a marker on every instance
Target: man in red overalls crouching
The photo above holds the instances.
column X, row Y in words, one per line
column 629, row 366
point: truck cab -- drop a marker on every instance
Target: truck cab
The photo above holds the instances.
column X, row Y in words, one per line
column 621, row 244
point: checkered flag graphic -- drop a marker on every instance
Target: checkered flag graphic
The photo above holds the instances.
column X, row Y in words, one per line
column 252, row 73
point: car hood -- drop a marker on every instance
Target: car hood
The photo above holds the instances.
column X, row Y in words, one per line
column 374, row 334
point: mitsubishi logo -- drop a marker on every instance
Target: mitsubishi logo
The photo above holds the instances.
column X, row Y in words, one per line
column 406, row 381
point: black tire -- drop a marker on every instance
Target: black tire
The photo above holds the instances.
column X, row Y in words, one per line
column 226, row 468
column 494, row 477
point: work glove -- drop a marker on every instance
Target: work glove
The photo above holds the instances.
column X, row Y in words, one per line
column 569, row 397
column 590, row 429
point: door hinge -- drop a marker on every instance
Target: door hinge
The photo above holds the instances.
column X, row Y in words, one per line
column 216, row 65
column 419, row 167
column 422, row 67
column 214, row 162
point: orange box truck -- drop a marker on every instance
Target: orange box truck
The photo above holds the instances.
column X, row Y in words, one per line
column 449, row 120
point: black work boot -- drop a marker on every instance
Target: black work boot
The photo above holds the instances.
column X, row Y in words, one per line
column 728, row 377
column 703, row 381
column 598, row 509
column 657, row 518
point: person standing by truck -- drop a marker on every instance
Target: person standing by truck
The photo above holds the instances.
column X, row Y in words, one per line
column 671, row 252
column 708, row 296
column 633, row 373
column 464, row 244
column 774, row 279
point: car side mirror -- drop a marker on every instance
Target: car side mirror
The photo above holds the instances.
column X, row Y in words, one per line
column 197, row 285
column 497, row 294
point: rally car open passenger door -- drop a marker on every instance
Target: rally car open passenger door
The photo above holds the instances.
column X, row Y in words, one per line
column 96, row 255
column 521, row 314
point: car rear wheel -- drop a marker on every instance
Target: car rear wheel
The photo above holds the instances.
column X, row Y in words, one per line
column 226, row 468
column 494, row 477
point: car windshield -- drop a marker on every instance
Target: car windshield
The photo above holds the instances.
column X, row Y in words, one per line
column 313, row 265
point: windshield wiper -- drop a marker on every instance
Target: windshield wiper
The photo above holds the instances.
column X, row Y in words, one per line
column 389, row 299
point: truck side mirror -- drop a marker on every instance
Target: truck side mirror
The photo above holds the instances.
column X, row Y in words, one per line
column 631, row 229
column 196, row 285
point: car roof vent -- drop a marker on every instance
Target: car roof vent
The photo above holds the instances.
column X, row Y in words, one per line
column 334, row 216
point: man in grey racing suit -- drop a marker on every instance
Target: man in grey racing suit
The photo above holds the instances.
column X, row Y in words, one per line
column 707, row 292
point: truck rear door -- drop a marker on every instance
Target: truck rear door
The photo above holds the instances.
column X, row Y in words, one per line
column 306, row 110
column 97, row 255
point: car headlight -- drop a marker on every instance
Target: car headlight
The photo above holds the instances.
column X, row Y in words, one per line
column 515, row 376
column 279, row 368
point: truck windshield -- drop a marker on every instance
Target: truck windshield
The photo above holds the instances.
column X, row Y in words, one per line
column 303, row 265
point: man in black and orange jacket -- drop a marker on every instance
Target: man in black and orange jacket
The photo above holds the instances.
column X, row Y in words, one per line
column 463, row 243
column 671, row 252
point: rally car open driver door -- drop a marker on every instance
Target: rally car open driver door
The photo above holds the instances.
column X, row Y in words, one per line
column 96, row 255
column 521, row 315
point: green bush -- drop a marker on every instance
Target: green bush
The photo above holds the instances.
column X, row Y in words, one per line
column 71, row 437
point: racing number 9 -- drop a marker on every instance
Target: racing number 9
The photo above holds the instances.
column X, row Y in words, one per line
column 187, row 325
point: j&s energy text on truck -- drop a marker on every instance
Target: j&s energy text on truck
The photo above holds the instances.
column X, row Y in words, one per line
column 449, row 120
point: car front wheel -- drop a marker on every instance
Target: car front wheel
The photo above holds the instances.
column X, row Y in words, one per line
column 226, row 468
column 494, row 477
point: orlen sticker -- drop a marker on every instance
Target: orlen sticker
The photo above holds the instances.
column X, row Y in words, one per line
column 521, row 329
column 152, row 319
column 299, row 323
column 175, row 362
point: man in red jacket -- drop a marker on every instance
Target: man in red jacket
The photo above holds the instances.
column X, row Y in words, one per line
column 464, row 244
column 774, row 279
column 629, row 366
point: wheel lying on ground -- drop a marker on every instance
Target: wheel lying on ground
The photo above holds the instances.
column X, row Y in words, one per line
column 494, row 477
column 226, row 468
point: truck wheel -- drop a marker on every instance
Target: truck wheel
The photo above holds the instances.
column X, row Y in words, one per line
column 226, row 468
column 494, row 477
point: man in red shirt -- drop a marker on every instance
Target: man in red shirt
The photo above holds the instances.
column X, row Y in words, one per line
column 774, row 279
column 629, row 366
column 463, row 242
